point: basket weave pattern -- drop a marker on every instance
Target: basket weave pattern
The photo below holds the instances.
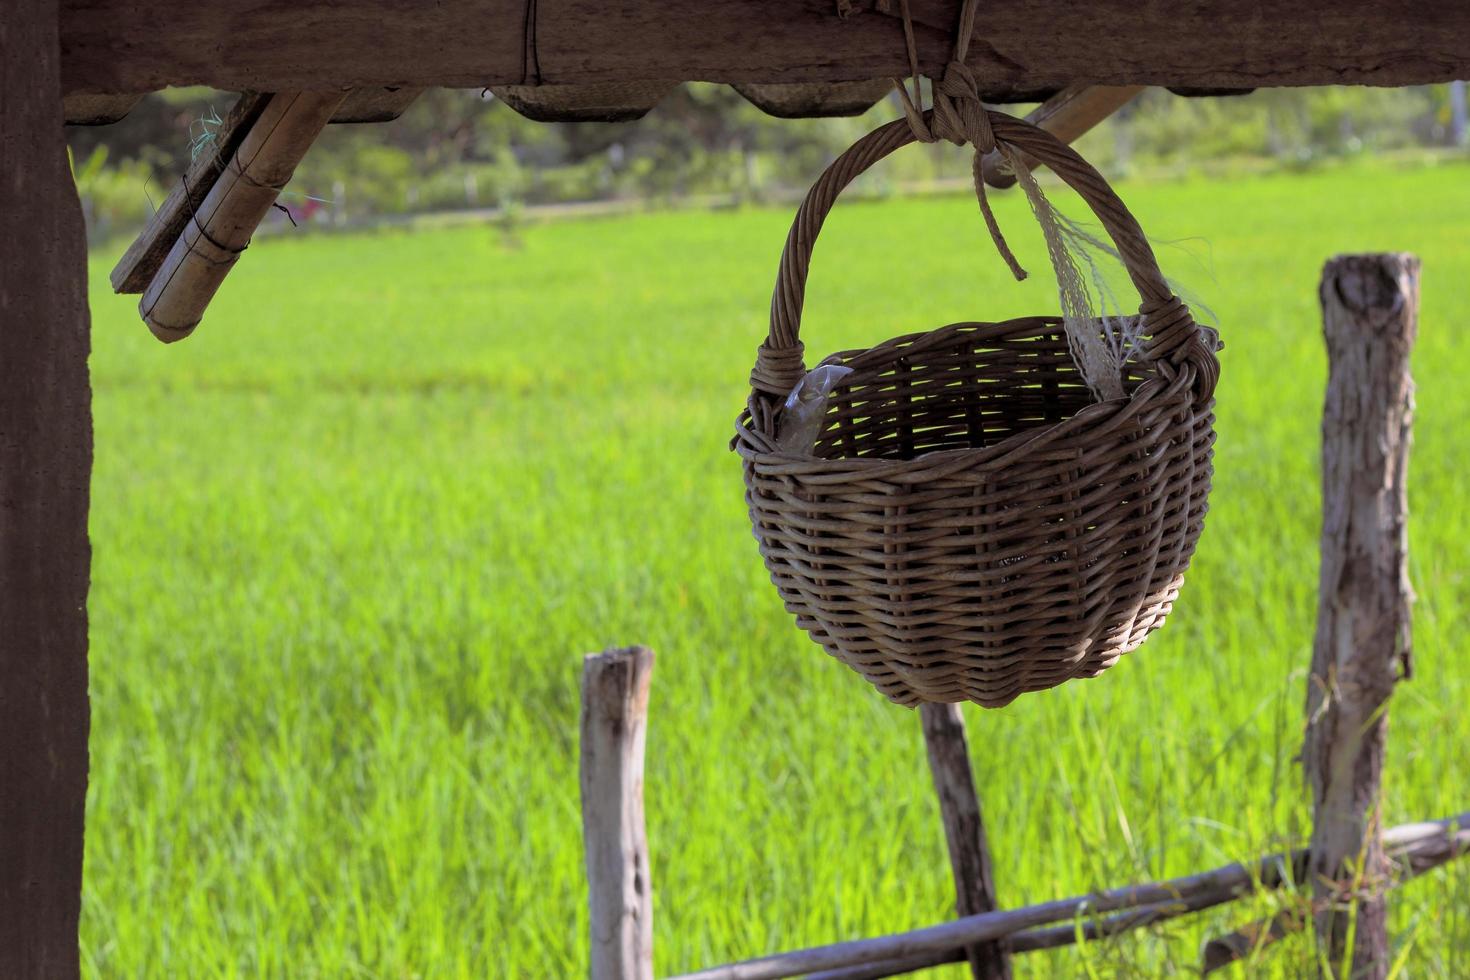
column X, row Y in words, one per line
column 972, row 525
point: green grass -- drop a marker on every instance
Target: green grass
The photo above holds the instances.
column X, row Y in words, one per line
column 353, row 537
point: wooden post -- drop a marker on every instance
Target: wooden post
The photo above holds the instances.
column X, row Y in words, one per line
column 964, row 831
column 45, row 471
column 1370, row 306
column 614, row 723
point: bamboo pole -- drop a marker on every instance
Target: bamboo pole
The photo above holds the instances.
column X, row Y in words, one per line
column 964, row 830
column 1417, row 847
column 1370, row 307
column 614, row 722
column 139, row 264
column 219, row 228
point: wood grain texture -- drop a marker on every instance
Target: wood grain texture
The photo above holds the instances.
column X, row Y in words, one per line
column 98, row 110
column 964, row 831
column 45, row 469
column 614, row 726
column 815, row 100
column 585, row 102
column 375, row 105
column 1370, row 311
column 270, row 45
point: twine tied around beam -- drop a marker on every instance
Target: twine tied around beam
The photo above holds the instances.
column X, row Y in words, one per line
column 959, row 115
column 1101, row 340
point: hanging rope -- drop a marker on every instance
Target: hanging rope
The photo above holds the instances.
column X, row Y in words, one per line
column 959, row 113
column 1101, row 341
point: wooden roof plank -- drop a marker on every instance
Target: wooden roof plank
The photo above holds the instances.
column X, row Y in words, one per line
column 376, row 104
column 807, row 100
column 594, row 102
column 264, row 45
column 98, row 110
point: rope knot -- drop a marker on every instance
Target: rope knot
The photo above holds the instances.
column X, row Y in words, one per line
column 959, row 113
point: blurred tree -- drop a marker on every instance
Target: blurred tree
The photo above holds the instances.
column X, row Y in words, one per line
column 457, row 149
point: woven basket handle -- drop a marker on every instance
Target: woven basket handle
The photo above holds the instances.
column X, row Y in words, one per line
column 1174, row 339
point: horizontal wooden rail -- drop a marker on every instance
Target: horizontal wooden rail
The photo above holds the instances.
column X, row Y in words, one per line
column 1414, row 847
column 1038, row 45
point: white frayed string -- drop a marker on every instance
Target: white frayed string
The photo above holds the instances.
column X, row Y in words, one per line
column 1100, row 341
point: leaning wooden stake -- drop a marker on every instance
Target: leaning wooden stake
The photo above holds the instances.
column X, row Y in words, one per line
column 964, row 831
column 1370, row 306
column 614, row 722
column 219, row 228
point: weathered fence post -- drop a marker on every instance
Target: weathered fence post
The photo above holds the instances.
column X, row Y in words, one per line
column 1370, row 306
column 614, row 723
column 964, row 831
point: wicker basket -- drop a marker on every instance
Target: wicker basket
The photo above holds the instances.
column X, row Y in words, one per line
column 973, row 524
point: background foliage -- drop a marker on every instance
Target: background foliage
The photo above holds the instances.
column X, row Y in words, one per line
column 455, row 150
column 352, row 537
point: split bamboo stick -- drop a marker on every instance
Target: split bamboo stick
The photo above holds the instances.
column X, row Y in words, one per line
column 139, row 264
column 219, row 228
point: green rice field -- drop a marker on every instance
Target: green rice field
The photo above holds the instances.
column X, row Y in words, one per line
column 354, row 536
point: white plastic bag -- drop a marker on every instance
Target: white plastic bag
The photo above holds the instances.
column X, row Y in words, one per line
column 806, row 407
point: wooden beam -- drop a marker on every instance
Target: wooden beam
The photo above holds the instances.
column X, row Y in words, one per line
column 376, row 104
column 964, row 831
column 590, row 102
column 98, row 110
column 614, row 725
column 265, row 45
column 815, row 100
column 45, row 472
column 1370, row 312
